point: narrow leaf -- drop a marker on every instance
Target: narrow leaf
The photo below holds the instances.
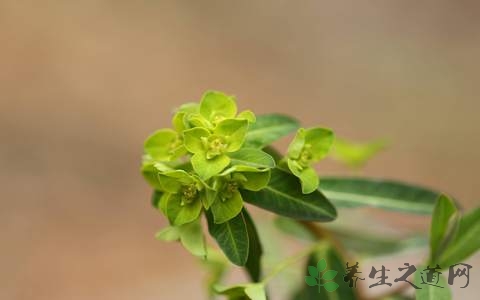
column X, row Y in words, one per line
column 283, row 196
column 385, row 194
column 269, row 128
column 466, row 241
column 444, row 219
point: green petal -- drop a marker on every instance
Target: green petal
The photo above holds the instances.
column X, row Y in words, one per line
column 182, row 214
column 149, row 172
column 296, row 146
column 228, row 209
column 193, row 139
column 168, row 234
column 321, row 140
column 247, row 115
column 256, row 180
column 252, row 157
column 192, row 238
column 234, row 131
column 217, row 105
column 158, row 145
column 206, row 168
column 309, row 180
column 172, row 181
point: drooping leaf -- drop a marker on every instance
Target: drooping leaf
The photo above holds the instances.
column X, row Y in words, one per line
column 385, row 194
column 443, row 226
column 283, row 196
column 466, row 241
column 269, row 128
column 430, row 292
column 255, row 252
column 252, row 157
column 232, row 237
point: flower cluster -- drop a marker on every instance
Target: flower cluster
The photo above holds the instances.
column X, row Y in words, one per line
column 202, row 164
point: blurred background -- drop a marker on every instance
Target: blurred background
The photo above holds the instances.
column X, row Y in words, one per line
column 82, row 83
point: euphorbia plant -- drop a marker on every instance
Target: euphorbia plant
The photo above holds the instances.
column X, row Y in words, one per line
column 214, row 160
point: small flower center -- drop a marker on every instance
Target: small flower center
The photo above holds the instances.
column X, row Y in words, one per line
column 189, row 194
column 216, row 146
column 305, row 156
column 230, row 189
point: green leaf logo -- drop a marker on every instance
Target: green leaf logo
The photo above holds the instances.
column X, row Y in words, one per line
column 317, row 276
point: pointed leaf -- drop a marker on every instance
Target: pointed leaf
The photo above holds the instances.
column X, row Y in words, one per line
column 283, row 196
column 232, row 237
column 253, row 158
column 444, row 222
column 385, row 194
column 269, row 128
column 466, row 241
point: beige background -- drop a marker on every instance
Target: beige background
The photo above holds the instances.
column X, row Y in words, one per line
column 82, row 83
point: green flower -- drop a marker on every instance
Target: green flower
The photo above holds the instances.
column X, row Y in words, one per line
column 224, row 197
column 210, row 148
column 309, row 146
column 164, row 145
column 213, row 109
column 182, row 199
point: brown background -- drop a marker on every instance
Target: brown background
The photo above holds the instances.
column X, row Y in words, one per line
column 82, row 83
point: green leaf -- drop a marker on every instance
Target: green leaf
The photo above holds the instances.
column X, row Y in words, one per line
column 269, row 128
column 168, row 234
column 206, row 168
column 331, row 286
column 224, row 210
column 247, row 115
column 256, row 292
column 356, row 155
column 430, row 292
column 321, row 140
column 329, row 275
column 312, row 271
column 193, row 139
column 444, row 223
column 181, row 214
column 321, row 265
column 156, row 198
column 253, row 158
column 255, row 250
column 158, row 145
column 217, row 105
column 311, row 281
column 385, row 194
column 283, row 196
column 232, row 237
column 466, row 242
column 191, row 237
column 234, row 130
column 296, row 146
